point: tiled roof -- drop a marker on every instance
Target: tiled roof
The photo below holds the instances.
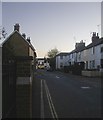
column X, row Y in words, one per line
column 99, row 41
column 77, row 50
column 20, row 35
column 63, row 54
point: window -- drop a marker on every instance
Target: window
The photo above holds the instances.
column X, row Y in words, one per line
column 93, row 50
column 86, row 64
column 93, row 63
column 101, row 63
column 101, row 49
column 61, row 57
column 90, row 64
column 61, row 65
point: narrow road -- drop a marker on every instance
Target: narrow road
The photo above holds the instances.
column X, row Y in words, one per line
column 60, row 95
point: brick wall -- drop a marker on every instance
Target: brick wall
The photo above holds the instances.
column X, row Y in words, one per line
column 24, row 97
column 24, row 87
column 23, row 68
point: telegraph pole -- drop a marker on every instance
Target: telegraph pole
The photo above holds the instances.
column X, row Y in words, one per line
column 98, row 27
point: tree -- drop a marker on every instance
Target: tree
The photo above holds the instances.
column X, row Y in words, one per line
column 3, row 33
column 52, row 53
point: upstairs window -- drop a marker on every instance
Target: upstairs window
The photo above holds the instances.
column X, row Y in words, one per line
column 61, row 57
column 93, row 50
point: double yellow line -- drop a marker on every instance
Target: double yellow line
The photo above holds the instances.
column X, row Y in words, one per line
column 51, row 105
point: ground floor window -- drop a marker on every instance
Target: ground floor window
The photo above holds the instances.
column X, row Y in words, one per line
column 93, row 63
column 101, row 63
column 61, row 65
column 86, row 65
column 90, row 64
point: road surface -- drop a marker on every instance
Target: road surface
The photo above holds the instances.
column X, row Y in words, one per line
column 62, row 95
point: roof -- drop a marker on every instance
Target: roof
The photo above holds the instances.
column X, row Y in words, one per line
column 62, row 54
column 20, row 35
column 80, row 49
column 93, row 44
column 98, row 42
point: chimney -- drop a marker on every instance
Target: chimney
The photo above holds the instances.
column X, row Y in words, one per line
column 95, row 37
column 28, row 39
column 24, row 35
column 80, row 45
column 16, row 27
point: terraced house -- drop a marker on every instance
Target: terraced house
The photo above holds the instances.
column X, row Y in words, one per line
column 93, row 53
column 88, row 57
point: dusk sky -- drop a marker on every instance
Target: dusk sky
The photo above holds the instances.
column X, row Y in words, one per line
column 53, row 24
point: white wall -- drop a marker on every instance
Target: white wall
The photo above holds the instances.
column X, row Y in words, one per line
column 0, row 83
column 97, row 55
column 64, row 61
column 102, row 52
column 88, row 56
column 73, row 57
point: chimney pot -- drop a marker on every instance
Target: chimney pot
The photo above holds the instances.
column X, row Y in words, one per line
column 24, row 35
column 95, row 37
column 28, row 39
column 16, row 27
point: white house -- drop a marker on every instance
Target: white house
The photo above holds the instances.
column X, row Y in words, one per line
column 62, row 60
column 67, row 59
column 77, row 55
column 93, row 53
column 72, row 57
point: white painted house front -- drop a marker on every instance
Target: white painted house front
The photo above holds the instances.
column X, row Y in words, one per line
column 62, row 60
column 93, row 53
column 77, row 54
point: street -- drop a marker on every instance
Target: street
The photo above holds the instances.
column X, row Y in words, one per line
column 63, row 95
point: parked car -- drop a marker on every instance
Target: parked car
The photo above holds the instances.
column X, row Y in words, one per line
column 40, row 66
column 49, row 69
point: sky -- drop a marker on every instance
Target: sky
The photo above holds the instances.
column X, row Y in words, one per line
column 53, row 24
